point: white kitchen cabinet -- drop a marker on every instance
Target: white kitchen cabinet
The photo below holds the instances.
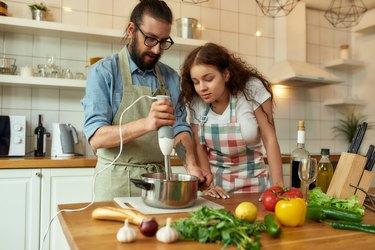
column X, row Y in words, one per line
column 62, row 186
column 31, row 197
column 20, row 208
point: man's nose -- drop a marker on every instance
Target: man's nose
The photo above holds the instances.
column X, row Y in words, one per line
column 156, row 49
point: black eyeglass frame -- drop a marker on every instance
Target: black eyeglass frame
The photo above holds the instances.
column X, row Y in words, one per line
column 154, row 41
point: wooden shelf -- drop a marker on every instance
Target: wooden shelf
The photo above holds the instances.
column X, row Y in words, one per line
column 16, row 80
column 344, row 64
column 344, row 102
column 28, row 26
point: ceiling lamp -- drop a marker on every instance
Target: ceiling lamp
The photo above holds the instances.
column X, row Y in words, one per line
column 194, row 1
column 345, row 13
column 277, row 8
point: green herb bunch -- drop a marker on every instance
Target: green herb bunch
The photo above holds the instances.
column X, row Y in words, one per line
column 39, row 6
column 220, row 226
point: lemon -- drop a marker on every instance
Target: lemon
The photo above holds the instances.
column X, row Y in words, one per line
column 247, row 211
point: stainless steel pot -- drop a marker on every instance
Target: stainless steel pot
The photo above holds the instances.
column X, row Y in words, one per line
column 188, row 27
column 178, row 192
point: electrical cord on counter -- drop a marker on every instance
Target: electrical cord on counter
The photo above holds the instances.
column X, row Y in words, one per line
column 93, row 182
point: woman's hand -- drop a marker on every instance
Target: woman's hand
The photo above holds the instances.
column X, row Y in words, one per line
column 216, row 192
column 205, row 178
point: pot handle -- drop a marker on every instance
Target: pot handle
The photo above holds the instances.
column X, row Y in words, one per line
column 142, row 184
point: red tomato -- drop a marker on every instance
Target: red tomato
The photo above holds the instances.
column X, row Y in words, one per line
column 295, row 192
column 270, row 197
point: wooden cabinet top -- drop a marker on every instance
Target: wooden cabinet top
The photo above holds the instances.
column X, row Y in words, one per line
column 86, row 162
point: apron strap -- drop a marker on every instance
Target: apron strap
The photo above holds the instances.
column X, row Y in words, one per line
column 202, row 120
column 233, row 104
column 162, row 90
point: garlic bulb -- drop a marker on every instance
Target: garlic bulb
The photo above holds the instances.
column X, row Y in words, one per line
column 167, row 234
column 126, row 233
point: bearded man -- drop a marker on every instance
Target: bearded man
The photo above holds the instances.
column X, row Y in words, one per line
column 115, row 84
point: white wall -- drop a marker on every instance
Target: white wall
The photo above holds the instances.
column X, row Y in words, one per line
column 230, row 23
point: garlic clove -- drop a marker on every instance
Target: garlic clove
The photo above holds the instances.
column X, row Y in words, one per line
column 126, row 233
column 167, row 234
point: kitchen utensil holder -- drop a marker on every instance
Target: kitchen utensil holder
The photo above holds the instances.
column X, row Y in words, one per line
column 350, row 171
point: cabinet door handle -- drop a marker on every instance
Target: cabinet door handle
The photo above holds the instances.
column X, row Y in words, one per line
column 39, row 174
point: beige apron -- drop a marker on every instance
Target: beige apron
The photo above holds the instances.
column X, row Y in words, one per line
column 140, row 156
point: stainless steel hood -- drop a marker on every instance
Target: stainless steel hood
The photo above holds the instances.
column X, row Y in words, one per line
column 290, row 67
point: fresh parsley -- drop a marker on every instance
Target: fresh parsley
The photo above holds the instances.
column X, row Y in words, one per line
column 220, row 226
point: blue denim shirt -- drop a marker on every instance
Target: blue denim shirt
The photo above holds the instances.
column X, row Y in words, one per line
column 104, row 92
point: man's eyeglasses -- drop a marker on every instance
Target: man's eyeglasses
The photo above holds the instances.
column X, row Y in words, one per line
column 151, row 41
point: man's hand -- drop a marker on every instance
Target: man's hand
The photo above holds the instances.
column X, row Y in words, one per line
column 161, row 114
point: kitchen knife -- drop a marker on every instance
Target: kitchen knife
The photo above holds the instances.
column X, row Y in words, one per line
column 350, row 150
column 368, row 156
column 371, row 161
column 361, row 134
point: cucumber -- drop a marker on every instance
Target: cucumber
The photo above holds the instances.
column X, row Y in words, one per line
column 348, row 225
column 273, row 226
column 320, row 213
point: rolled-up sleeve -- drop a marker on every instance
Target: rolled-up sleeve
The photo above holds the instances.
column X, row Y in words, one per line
column 98, row 100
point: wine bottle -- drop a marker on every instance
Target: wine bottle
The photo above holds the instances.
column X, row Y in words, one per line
column 325, row 171
column 40, row 139
column 297, row 155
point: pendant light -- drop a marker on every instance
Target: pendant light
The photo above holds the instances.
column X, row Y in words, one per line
column 194, row 1
column 345, row 13
column 277, row 8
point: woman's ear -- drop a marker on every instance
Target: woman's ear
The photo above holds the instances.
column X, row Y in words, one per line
column 226, row 75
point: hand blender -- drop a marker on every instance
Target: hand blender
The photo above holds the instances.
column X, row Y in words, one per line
column 166, row 140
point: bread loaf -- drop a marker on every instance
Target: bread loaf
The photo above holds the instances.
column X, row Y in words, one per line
column 118, row 214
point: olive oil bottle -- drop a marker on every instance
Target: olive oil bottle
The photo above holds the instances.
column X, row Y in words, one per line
column 325, row 171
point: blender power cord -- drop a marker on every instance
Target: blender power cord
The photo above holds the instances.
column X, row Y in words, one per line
column 93, row 182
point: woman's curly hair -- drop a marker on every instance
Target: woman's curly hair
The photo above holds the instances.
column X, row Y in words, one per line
column 219, row 57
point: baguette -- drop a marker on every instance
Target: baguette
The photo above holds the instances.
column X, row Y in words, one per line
column 118, row 214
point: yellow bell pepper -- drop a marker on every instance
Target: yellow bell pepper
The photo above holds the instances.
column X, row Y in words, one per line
column 292, row 212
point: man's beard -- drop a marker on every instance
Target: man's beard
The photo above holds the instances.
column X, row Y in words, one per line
column 138, row 57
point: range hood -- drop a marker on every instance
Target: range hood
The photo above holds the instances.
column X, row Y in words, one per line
column 290, row 67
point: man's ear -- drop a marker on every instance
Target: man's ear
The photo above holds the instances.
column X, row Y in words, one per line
column 226, row 75
column 130, row 30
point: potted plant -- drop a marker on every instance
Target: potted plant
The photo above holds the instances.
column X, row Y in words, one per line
column 347, row 126
column 38, row 11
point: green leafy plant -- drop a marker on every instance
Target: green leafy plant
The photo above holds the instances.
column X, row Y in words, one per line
column 220, row 226
column 39, row 6
column 347, row 126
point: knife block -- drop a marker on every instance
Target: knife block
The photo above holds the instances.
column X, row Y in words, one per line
column 364, row 183
column 349, row 171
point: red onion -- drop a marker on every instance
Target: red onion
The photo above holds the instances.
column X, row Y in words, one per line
column 148, row 227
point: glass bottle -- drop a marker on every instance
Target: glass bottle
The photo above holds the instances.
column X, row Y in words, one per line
column 297, row 155
column 325, row 171
column 40, row 139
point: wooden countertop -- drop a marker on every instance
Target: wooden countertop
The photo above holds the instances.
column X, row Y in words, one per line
column 86, row 162
column 85, row 233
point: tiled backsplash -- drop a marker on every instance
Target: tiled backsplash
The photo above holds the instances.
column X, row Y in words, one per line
column 230, row 23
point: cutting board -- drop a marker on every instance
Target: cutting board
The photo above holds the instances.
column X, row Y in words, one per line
column 138, row 204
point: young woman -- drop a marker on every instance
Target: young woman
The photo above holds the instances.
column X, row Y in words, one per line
column 231, row 108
